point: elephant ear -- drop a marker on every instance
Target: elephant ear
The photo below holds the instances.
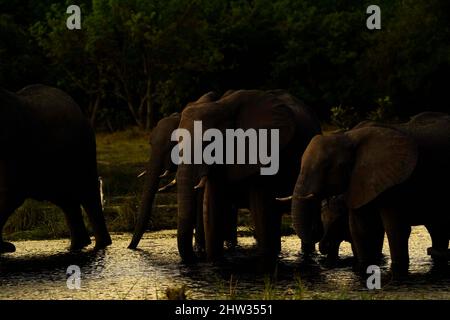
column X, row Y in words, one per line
column 261, row 110
column 284, row 120
column 274, row 110
column 384, row 158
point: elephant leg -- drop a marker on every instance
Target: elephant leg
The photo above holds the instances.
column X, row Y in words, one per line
column 213, row 213
column 398, row 235
column 378, row 242
column 333, row 252
column 355, row 255
column 331, row 249
column 365, row 233
column 6, row 209
column 93, row 207
column 377, row 234
column 231, row 227
column 440, row 241
column 8, row 204
column 267, row 222
column 79, row 237
column 199, row 225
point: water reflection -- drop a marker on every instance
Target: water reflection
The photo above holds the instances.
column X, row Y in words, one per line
column 38, row 271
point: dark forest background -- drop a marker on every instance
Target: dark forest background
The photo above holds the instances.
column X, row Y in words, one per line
column 138, row 60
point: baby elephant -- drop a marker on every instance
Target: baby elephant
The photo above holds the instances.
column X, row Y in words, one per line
column 334, row 215
column 336, row 229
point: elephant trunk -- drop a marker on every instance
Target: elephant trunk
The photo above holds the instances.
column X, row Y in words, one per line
column 305, row 213
column 150, row 189
column 186, row 211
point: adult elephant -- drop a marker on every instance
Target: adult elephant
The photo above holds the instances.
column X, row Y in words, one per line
column 160, row 165
column 392, row 177
column 49, row 153
column 242, row 183
column 334, row 212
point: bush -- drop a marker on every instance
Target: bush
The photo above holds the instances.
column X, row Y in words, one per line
column 344, row 117
column 383, row 112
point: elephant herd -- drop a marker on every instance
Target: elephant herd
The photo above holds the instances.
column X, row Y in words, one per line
column 356, row 185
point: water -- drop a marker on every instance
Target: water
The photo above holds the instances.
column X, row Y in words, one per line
column 37, row 270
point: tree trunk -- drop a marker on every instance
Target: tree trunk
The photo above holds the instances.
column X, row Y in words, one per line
column 135, row 115
column 149, row 123
column 93, row 115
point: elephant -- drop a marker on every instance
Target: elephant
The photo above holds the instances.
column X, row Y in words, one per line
column 49, row 153
column 334, row 217
column 391, row 176
column 335, row 220
column 334, row 212
column 243, row 184
column 159, row 166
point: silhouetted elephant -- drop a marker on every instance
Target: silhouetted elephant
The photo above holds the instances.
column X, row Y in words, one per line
column 160, row 165
column 392, row 178
column 48, row 152
column 242, row 183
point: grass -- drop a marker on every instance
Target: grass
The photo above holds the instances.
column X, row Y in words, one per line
column 121, row 156
column 36, row 221
column 272, row 290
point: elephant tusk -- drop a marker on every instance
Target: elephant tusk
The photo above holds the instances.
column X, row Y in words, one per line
column 308, row 196
column 168, row 186
column 284, row 199
column 143, row 173
column 102, row 195
column 202, row 183
column 165, row 174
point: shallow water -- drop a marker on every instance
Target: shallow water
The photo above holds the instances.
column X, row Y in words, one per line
column 37, row 270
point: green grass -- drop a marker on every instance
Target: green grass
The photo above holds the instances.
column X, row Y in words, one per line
column 121, row 156
column 36, row 221
column 272, row 290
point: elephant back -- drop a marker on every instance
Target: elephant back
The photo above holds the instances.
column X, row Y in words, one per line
column 433, row 140
column 276, row 109
column 59, row 136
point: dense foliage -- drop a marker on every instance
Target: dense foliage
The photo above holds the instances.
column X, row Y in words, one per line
column 134, row 61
